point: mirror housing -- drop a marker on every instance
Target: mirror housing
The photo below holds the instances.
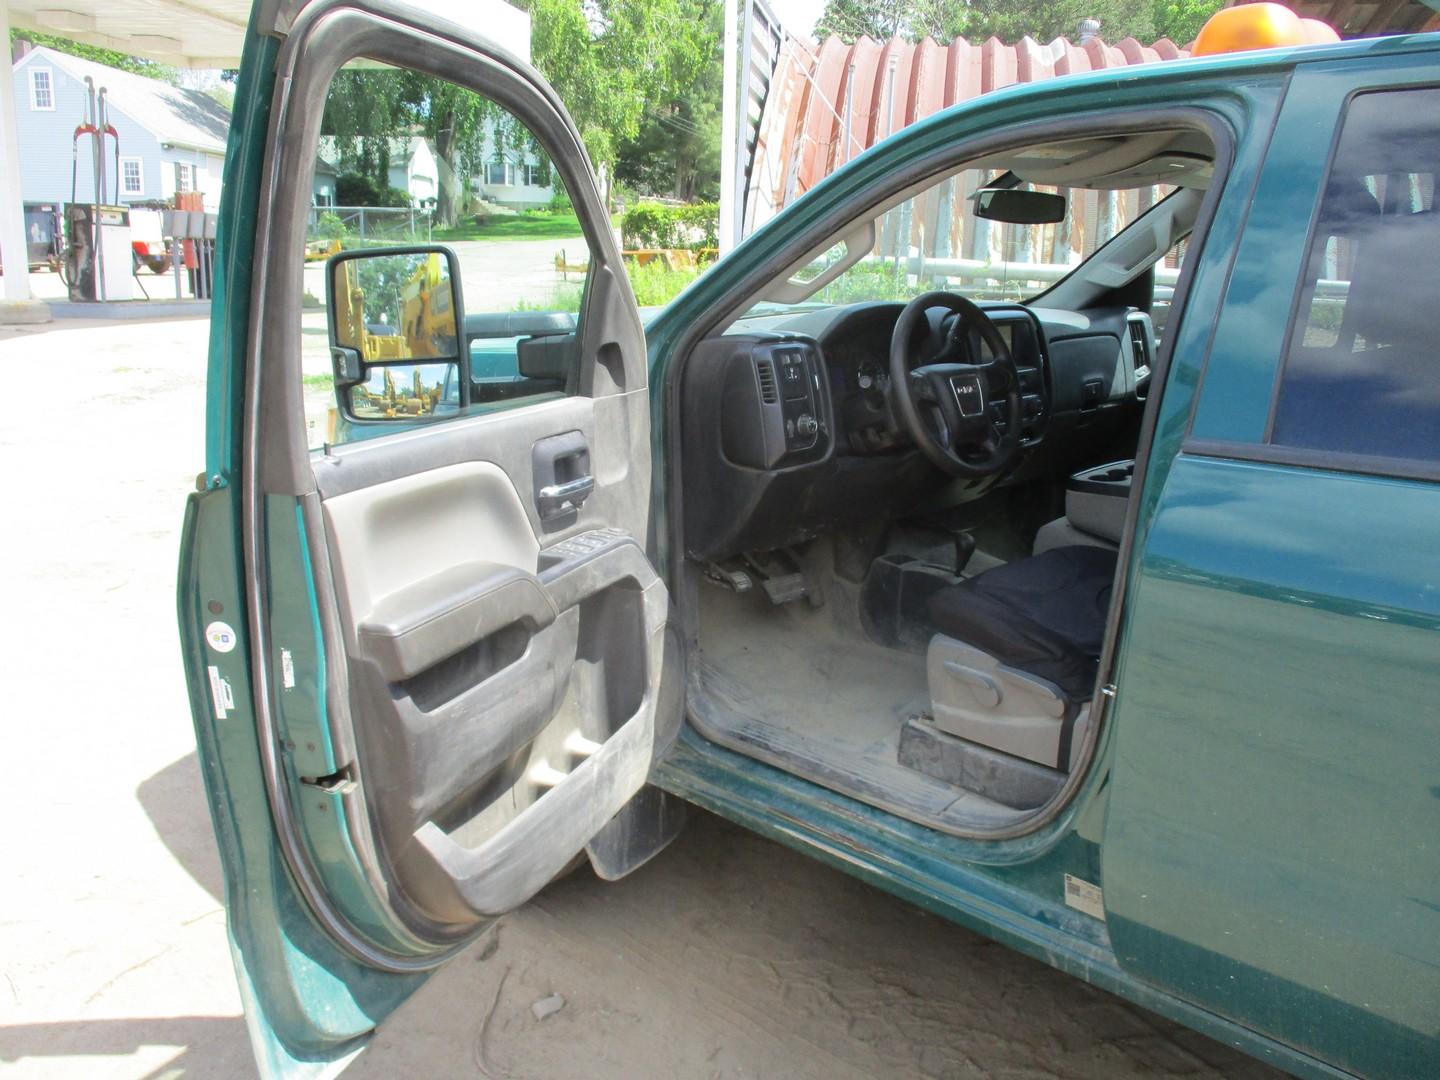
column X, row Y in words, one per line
column 1016, row 206
column 395, row 319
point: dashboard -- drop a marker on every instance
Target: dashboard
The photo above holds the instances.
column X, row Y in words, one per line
column 789, row 428
column 856, row 348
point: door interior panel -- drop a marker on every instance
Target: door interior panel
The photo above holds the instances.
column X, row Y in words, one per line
column 504, row 659
column 615, row 430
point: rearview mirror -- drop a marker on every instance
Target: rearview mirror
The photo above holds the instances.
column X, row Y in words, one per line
column 1016, row 206
column 394, row 315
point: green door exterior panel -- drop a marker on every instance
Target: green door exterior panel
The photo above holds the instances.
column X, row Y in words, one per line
column 1272, row 847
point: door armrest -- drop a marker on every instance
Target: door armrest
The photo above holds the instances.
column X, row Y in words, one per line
column 409, row 631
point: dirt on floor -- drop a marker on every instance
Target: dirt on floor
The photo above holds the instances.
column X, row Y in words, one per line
column 727, row 956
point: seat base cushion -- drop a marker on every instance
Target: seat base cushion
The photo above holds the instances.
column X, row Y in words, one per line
column 1044, row 615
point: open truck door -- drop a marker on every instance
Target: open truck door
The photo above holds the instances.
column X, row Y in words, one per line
column 429, row 666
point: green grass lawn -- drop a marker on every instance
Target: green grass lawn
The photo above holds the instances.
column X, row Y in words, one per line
column 526, row 226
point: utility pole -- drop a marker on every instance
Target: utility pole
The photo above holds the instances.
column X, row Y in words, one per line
column 729, row 133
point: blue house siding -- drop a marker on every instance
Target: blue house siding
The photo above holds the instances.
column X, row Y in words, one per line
column 45, row 138
column 158, row 143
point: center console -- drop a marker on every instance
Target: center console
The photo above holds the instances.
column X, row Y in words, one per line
column 1096, row 500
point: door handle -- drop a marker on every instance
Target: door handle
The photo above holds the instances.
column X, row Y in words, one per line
column 557, row 499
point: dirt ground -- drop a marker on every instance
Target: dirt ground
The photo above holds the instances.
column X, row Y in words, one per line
column 728, row 956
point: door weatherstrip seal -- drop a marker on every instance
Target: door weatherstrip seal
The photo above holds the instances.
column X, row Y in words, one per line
column 297, row 858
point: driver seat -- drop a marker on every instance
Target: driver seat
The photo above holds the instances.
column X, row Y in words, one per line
column 1013, row 663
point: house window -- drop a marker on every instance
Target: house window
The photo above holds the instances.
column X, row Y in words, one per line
column 131, row 182
column 533, row 177
column 184, row 176
column 499, row 172
column 42, row 89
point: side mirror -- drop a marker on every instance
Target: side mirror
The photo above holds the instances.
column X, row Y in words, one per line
column 1016, row 206
column 394, row 315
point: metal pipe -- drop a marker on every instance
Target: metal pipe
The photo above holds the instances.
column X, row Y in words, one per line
column 107, row 128
column 97, row 156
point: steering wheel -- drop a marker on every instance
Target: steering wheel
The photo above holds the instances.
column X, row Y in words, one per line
column 945, row 405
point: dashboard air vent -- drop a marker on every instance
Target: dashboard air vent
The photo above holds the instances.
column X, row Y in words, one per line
column 1139, row 347
column 1140, row 353
column 769, row 391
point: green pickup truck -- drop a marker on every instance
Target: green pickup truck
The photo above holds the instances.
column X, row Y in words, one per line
column 1121, row 648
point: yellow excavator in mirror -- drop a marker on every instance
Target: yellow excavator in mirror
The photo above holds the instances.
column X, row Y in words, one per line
column 424, row 330
column 426, row 327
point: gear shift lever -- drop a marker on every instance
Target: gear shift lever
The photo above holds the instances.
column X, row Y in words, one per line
column 964, row 548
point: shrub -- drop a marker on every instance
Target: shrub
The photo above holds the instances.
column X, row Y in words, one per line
column 356, row 189
column 560, row 201
column 653, row 225
column 329, row 226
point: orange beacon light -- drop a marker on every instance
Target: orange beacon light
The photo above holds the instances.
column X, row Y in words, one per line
column 1259, row 26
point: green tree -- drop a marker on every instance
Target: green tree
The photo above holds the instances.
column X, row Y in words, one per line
column 615, row 62
column 364, row 112
column 676, row 152
column 1009, row 20
column 369, row 110
column 1181, row 20
column 850, row 20
column 1044, row 20
column 152, row 69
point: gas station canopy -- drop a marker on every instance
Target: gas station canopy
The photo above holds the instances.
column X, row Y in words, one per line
column 211, row 33
column 183, row 33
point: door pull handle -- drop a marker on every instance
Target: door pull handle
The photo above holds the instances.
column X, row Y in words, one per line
column 557, row 499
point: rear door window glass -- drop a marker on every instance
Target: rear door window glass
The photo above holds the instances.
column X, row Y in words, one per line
column 1362, row 370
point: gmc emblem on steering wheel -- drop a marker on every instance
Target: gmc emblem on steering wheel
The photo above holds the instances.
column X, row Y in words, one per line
column 968, row 395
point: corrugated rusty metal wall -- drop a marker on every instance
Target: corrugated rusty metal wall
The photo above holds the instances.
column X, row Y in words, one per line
column 828, row 102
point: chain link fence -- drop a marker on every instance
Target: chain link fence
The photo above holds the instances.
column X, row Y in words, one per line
column 367, row 226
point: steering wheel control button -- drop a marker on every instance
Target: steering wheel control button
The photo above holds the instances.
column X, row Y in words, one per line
column 969, row 395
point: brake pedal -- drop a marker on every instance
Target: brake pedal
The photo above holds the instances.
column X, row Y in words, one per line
column 737, row 581
column 782, row 579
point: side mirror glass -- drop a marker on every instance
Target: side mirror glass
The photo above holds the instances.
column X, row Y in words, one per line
column 394, row 316
column 1015, row 206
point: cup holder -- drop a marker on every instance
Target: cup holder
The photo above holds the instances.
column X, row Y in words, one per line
column 1113, row 479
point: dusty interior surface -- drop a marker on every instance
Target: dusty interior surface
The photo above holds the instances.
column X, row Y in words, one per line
column 904, row 597
column 802, row 687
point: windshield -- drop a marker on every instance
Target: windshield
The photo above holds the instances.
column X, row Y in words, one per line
column 934, row 241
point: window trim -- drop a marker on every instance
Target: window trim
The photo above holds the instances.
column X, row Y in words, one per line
column 1281, row 453
column 1383, row 468
column 139, row 164
column 187, row 169
column 49, row 74
column 1311, row 230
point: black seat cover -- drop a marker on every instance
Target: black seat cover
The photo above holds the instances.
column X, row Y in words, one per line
column 1043, row 615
